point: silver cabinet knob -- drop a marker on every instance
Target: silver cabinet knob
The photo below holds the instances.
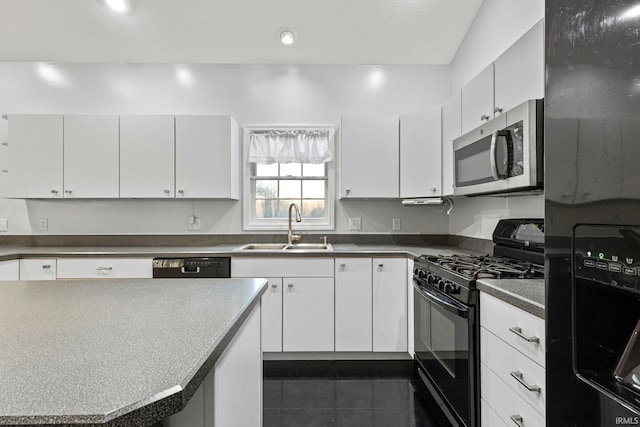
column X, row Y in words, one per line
column 497, row 110
column 347, row 192
column 54, row 191
column 275, row 285
column 290, row 285
column 68, row 191
column 46, row 266
column 181, row 192
column 166, row 191
column 484, row 117
column 433, row 189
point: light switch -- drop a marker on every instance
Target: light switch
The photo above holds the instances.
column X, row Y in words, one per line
column 396, row 224
column 355, row 223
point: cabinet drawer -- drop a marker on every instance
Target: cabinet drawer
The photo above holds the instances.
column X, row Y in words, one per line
column 489, row 417
column 282, row 267
column 506, row 362
column 504, row 320
column 104, row 268
column 38, row 269
column 10, row 270
column 504, row 403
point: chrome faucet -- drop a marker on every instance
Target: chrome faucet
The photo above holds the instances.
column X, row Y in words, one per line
column 292, row 237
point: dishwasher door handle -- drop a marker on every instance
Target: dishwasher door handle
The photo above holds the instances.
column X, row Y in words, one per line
column 185, row 271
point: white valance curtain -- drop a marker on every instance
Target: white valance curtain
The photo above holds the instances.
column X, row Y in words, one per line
column 289, row 146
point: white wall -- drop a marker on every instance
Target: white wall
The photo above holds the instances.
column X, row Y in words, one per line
column 252, row 94
column 498, row 24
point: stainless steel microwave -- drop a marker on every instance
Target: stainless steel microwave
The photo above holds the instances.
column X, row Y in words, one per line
column 504, row 155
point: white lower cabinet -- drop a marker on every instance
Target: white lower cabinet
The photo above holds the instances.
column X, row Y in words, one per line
column 104, row 268
column 354, row 321
column 350, row 304
column 307, row 314
column 272, row 316
column 38, row 269
column 513, row 383
column 231, row 394
column 10, row 269
column 489, row 418
column 295, row 317
column 390, row 305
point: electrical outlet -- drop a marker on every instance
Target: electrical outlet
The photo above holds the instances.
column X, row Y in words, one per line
column 396, row 224
column 355, row 223
column 43, row 225
column 194, row 223
column 4, row 225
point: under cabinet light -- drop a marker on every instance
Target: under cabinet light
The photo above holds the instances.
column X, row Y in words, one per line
column 120, row 6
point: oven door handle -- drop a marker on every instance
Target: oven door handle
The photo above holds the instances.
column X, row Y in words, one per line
column 447, row 305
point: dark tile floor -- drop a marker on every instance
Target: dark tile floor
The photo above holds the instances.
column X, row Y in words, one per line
column 339, row 397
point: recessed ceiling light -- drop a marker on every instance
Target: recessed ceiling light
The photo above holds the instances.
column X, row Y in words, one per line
column 287, row 38
column 120, row 6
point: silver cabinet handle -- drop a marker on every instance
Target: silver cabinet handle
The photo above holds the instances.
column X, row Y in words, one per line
column 54, row 191
column 518, row 331
column 275, row 285
column 497, row 110
column 518, row 420
column 433, row 189
column 520, row 378
column 68, row 191
column 180, row 192
column 46, row 266
column 290, row 285
column 5, row 144
column 104, row 268
column 167, row 191
column 347, row 192
column 5, row 170
column 484, row 117
column 343, row 265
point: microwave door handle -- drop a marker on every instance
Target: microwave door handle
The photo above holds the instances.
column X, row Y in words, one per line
column 493, row 153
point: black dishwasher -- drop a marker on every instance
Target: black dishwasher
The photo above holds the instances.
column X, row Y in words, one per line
column 192, row 267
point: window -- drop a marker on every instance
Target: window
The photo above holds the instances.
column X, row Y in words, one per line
column 283, row 172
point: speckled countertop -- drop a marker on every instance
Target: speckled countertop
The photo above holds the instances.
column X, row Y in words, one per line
column 527, row 294
column 118, row 352
column 346, row 249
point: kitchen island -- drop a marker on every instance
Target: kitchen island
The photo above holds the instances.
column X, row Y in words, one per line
column 126, row 351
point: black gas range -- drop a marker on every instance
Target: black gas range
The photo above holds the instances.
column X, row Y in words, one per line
column 446, row 315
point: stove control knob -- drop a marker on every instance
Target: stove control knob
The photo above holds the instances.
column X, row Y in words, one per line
column 455, row 289
column 442, row 285
column 421, row 274
column 448, row 288
column 416, row 271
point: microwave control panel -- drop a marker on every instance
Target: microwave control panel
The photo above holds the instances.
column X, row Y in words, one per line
column 608, row 254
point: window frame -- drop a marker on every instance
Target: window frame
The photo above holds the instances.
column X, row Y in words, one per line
column 250, row 222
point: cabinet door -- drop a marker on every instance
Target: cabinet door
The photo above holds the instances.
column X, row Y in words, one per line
column 353, row 304
column 35, row 156
column 147, row 156
column 420, row 153
column 390, row 304
column 451, row 129
column 477, row 100
column 519, row 71
column 38, row 269
column 272, row 316
column 91, row 156
column 207, row 157
column 370, row 161
column 307, row 314
column 10, row 270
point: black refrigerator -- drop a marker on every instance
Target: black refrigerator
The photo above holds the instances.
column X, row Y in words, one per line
column 592, row 212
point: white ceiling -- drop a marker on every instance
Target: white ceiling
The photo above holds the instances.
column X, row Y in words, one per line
column 236, row 31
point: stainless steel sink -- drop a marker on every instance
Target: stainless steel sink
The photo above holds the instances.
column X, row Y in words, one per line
column 297, row 247
column 309, row 247
column 262, row 247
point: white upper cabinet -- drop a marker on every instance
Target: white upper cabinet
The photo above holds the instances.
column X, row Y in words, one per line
column 207, row 157
column 420, row 153
column 91, row 156
column 451, row 129
column 147, row 156
column 477, row 100
column 519, row 71
column 370, row 161
column 35, row 156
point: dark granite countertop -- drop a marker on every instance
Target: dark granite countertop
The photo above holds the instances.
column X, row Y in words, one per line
column 339, row 250
column 113, row 352
column 526, row 294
